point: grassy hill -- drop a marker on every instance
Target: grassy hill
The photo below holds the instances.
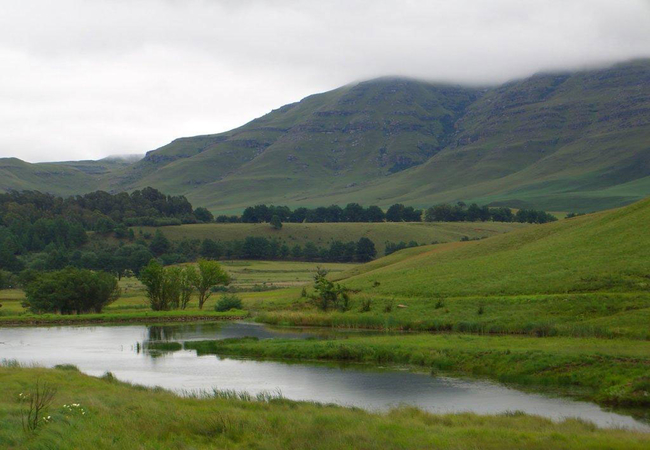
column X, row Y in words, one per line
column 322, row 234
column 562, row 141
column 61, row 178
column 586, row 276
column 607, row 251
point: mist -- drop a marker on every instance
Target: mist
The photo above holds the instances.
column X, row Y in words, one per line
column 88, row 79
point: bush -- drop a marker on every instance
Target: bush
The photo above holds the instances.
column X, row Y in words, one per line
column 71, row 291
column 228, row 302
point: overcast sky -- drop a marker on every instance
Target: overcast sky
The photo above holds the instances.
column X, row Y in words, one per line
column 83, row 79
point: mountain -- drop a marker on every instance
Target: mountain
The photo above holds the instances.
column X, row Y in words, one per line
column 563, row 141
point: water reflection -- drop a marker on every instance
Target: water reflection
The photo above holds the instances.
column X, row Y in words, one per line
column 122, row 350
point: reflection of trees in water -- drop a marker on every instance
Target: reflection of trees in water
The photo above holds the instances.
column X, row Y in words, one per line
column 157, row 333
column 161, row 333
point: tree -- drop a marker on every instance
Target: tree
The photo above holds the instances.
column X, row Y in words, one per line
column 168, row 287
column 365, row 250
column 211, row 249
column 153, row 278
column 203, row 215
column 296, row 251
column 310, row 252
column 353, row 212
column 159, row 244
column 328, row 294
column 8, row 259
column 395, row 213
column 375, row 214
column 186, row 281
column 209, row 275
column 276, row 223
column 71, row 291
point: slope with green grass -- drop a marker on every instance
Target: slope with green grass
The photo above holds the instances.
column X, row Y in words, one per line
column 322, row 234
column 607, row 251
column 586, row 276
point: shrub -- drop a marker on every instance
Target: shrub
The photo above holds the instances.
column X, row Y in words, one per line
column 228, row 302
column 71, row 291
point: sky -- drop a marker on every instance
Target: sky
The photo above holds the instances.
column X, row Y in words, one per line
column 84, row 79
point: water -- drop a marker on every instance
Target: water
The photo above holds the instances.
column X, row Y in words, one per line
column 119, row 349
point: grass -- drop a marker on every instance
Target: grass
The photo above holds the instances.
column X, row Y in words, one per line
column 605, row 315
column 119, row 415
column 122, row 316
column 261, row 275
column 613, row 372
column 322, row 234
column 250, row 277
column 603, row 252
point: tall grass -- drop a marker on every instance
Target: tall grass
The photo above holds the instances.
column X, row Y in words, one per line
column 124, row 416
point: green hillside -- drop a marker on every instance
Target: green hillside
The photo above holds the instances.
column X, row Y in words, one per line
column 602, row 252
column 322, row 234
column 585, row 276
column 563, row 141
column 61, row 178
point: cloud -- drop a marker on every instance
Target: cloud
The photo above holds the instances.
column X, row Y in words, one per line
column 87, row 78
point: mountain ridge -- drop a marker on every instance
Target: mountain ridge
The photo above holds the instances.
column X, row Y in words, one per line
column 560, row 141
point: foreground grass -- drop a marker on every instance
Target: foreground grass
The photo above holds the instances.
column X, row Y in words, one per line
column 613, row 372
column 119, row 415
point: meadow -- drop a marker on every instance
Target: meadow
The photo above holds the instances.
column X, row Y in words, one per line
column 112, row 414
column 322, row 234
column 250, row 279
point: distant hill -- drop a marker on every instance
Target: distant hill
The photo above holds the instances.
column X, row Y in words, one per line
column 602, row 252
column 563, row 141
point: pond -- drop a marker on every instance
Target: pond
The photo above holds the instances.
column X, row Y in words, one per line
column 119, row 349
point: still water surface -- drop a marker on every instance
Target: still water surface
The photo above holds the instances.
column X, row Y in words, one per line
column 119, row 349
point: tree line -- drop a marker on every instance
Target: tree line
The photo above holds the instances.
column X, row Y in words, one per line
column 460, row 212
column 354, row 212
column 258, row 247
column 101, row 211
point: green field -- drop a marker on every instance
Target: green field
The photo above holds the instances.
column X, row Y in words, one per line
column 603, row 252
column 118, row 415
column 322, row 234
column 253, row 280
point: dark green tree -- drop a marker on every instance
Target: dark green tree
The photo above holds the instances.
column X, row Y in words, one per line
column 203, row 215
column 276, row 223
column 159, row 244
column 365, row 250
column 71, row 291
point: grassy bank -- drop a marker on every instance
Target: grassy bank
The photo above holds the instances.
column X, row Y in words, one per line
column 121, row 317
column 615, row 372
column 118, row 415
column 607, row 315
